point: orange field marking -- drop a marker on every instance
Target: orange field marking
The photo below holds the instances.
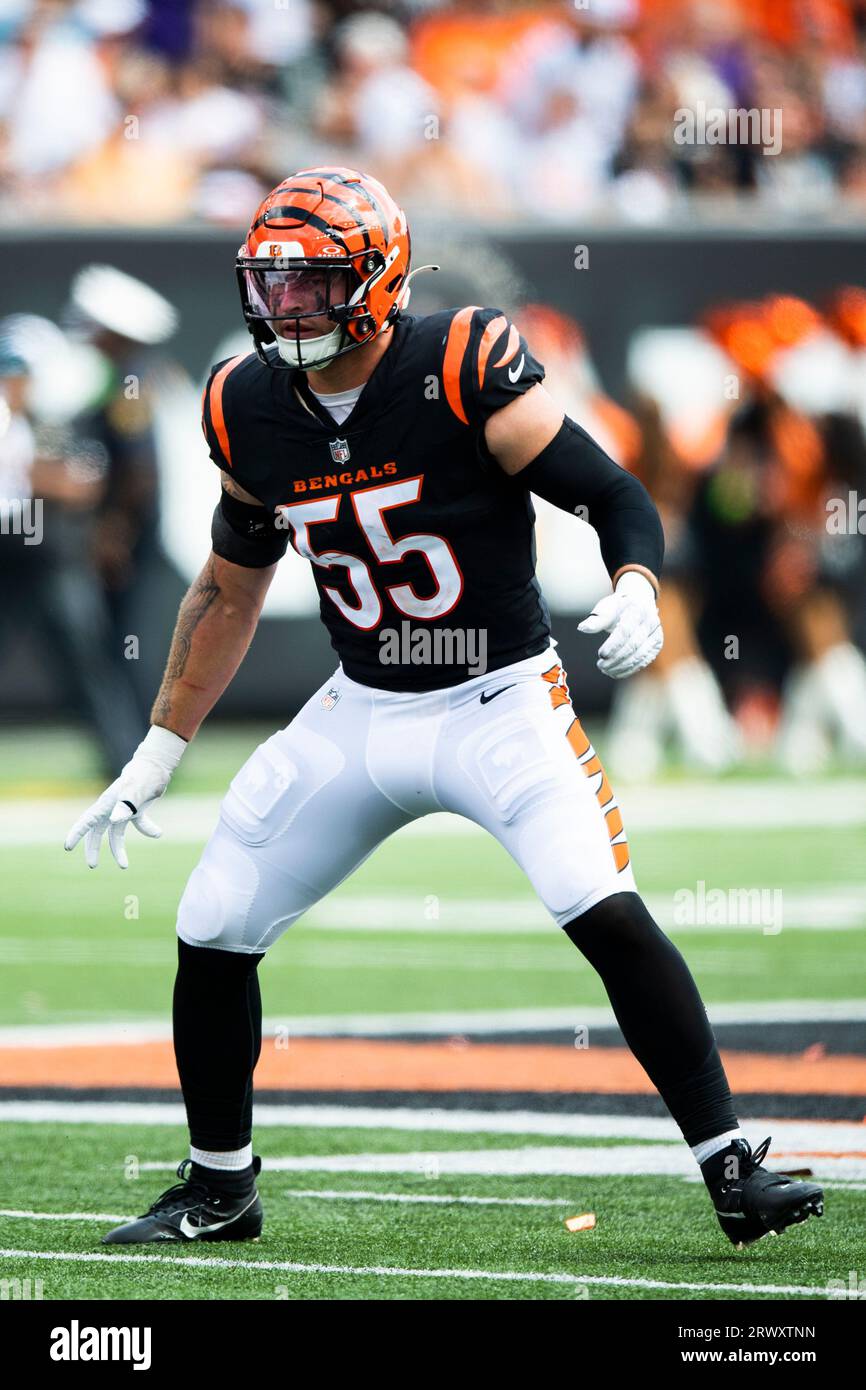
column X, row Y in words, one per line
column 361, row 1065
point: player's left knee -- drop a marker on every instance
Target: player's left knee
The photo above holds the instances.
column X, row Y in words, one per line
column 225, row 906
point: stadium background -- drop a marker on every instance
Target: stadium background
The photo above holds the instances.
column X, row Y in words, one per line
column 702, row 309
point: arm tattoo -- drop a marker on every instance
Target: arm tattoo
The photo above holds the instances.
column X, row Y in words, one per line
column 199, row 599
column 229, row 486
column 235, row 490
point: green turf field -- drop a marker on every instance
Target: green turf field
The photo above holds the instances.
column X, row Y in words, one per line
column 655, row 1237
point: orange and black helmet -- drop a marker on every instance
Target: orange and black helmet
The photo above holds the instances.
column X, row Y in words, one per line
column 327, row 245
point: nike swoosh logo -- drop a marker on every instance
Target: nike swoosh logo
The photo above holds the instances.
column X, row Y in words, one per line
column 513, row 375
column 193, row 1232
column 485, row 698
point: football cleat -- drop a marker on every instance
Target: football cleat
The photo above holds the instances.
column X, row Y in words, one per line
column 192, row 1211
column 757, row 1202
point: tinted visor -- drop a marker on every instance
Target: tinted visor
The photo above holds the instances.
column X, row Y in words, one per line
column 303, row 291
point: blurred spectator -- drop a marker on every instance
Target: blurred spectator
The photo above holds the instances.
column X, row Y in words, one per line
column 124, row 320
column 379, row 108
column 58, row 103
column 49, row 486
column 376, row 102
column 752, row 433
column 769, row 574
column 568, row 86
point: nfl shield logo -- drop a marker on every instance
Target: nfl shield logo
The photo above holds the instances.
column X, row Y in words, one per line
column 329, row 700
column 339, row 451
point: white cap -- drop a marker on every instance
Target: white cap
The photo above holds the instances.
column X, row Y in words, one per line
column 372, row 37
column 606, row 14
column 117, row 301
column 107, row 17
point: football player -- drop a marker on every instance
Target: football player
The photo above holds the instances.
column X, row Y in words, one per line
column 397, row 454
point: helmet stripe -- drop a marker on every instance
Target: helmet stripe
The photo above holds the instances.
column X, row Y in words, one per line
column 357, row 182
column 294, row 190
column 371, row 199
column 341, row 202
column 294, row 213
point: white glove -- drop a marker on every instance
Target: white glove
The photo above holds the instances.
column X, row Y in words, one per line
column 630, row 615
column 143, row 779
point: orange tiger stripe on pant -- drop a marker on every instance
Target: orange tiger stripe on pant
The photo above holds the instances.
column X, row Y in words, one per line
column 591, row 764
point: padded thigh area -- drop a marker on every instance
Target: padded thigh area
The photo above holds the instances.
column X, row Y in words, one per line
column 278, row 782
column 301, row 814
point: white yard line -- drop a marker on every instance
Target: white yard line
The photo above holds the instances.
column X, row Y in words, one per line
column 810, row 907
column 112, row 1033
column 817, row 907
column 622, row 1160
column 386, row 1271
column 481, row 953
column 324, row 1195
column 15, row 1215
column 422, row 1199
column 827, row 1136
column 710, row 804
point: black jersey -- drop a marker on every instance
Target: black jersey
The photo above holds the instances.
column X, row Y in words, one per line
column 422, row 549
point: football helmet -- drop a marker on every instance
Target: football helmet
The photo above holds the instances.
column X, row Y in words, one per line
column 326, row 247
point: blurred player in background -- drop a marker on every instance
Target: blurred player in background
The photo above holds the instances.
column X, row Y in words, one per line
column 771, row 577
column 124, row 320
column 752, row 436
column 48, row 475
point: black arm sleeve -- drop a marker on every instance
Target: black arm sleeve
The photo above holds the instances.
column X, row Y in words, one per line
column 574, row 473
column 245, row 534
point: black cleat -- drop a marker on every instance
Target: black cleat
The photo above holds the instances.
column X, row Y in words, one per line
column 756, row 1202
column 193, row 1211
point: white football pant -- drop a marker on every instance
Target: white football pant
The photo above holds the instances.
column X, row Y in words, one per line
column 504, row 749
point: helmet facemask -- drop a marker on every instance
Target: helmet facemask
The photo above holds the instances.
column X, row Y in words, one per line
column 305, row 306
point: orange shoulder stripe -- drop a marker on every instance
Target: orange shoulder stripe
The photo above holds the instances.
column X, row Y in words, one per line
column 455, row 350
column 510, row 347
column 491, row 333
column 216, row 405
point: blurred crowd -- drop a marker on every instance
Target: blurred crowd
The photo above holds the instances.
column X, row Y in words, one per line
column 157, row 111
column 749, row 429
